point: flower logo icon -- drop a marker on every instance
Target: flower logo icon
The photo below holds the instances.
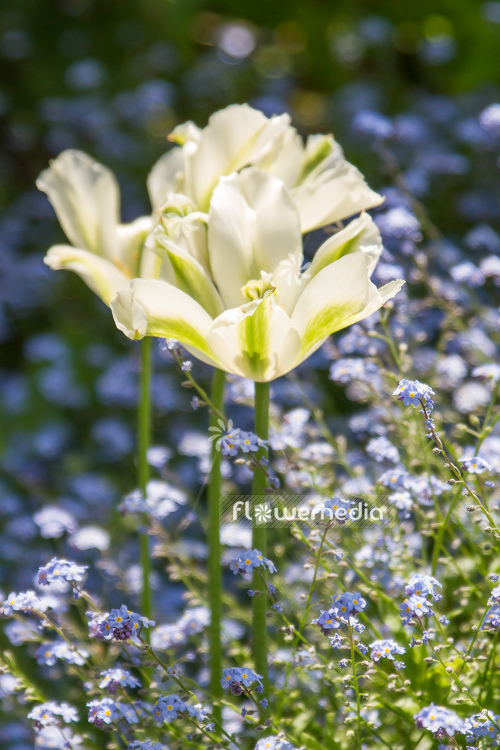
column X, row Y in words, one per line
column 262, row 513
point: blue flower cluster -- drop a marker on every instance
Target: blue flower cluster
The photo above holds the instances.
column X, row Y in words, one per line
column 52, row 713
column 61, row 570
column 236, row 440
column 492, row 618
column 442, row 722
column 168, row 707
column 117, row 677
column 345, row 606
column 106, row 711
column 385, row 649
column 237, row 679
column 251, row 560
column 49, row 653
column 119, row 624
column 418, row 605
column 414, row 392
column 273, row 743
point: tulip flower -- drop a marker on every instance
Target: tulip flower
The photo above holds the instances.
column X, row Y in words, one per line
column 243, row 305
column 86, row 199
column 323, row 185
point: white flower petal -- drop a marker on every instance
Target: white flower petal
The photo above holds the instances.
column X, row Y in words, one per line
column 129, row 315
column 166, row 177
column 188, row 274
column 234, row 137
column 86, row 199
column 168, row 312
column 130, row 240
column 255, row 341
column 336, row 194
column 101, row 275
column 253, row 226
column 360, row 235
column 338, row 296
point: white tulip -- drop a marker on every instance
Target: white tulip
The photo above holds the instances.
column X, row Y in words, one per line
column 324, row 186
column 237, row 310
column 86, row 199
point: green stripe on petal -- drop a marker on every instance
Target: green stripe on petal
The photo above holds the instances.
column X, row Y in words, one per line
column 255, row 341
column 338, row 296
column 190, row 276
column 360, row 235
column 166, row 312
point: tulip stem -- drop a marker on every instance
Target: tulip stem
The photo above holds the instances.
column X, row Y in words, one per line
column 259, row 623
column 214, row 564
column 143, row 442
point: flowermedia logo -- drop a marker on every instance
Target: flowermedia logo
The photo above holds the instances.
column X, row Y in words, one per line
column 307, row 510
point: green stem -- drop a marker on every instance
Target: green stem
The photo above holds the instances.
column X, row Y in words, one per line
column 259, row 623
column 143, row 441
column 442, row 530
column 355, row 684
column 214, row 552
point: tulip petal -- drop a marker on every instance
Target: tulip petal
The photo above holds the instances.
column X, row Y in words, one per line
column 168, row 313
column 166, row 177
column 286, row 162
column 321, row 152
column 361, row 235
column 253, row 226
column 189, row 275
column 86, row 199
column 131, row 238
column 255, row 341
column 338, row 296
column 234, row 137
column 102, row 276
column 335, row 194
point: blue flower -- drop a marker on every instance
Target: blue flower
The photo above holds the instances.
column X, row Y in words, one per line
column 167, row 708
column 235, row 677
column 418, row 606
column 475, row 465
column 119, row 624
column 413, row 392
column 347, row 604
column 61, row 570
column 117, row 677
column 102, row 712
column 249, row 560
column 229, row 443
column 336, row 642
column 385, row 649
column 480, row 725
column 49, row 713
column 422, row 585
column 273, row 743
column 492, row 618
column 327, row 621
column 248, row 441
column 440, row 721
column 49, row 653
